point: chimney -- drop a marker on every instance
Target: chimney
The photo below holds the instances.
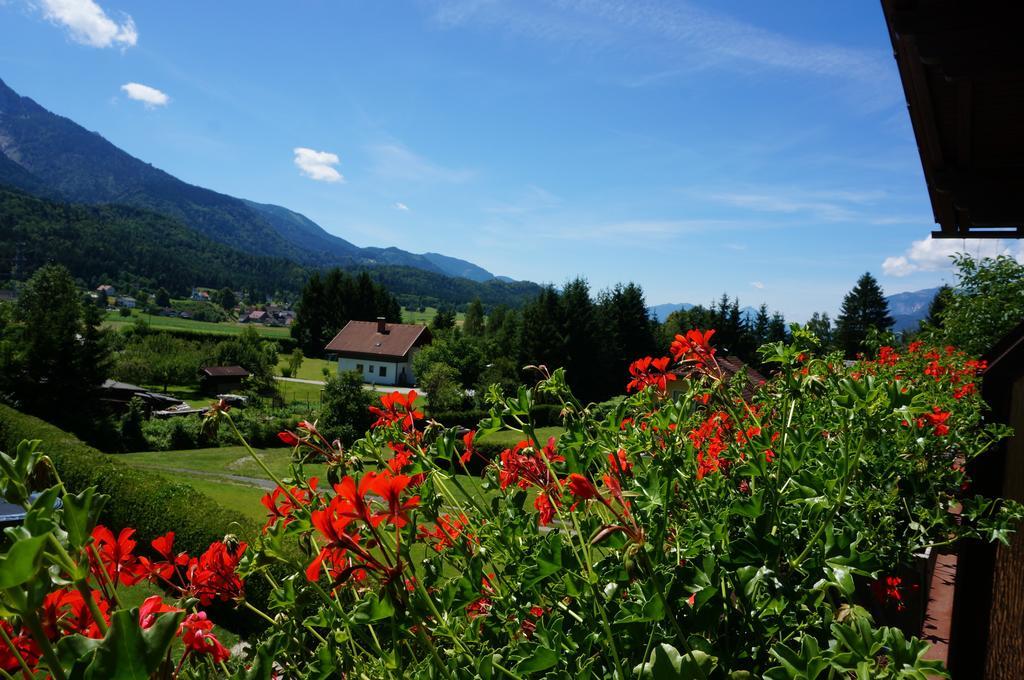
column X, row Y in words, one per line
column 382, row 327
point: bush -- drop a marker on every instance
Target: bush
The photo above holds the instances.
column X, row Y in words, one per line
column 345, row 407
column 143, row 500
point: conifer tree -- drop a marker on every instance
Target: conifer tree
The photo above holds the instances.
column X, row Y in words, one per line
column 474, row 322
column 863, row 308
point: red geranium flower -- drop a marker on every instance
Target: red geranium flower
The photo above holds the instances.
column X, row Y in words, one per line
column 694, row 346
column 213, row 574
column 467, row 439
column 196, row 634
column 581, row 487
column 149, row 609
column 288, row 438
column 648, row 372
column 397, row 408
column 390, row 487
column 116, row 556
column 280, row 505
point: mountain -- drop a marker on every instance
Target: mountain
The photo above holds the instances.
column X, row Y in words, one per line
column 125, row 245
column 661, row 312
column 455, row 267
column 114, row 243
column 51, row 156
column 908, row 309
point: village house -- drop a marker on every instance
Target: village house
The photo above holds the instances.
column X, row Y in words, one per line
column 200, row 295
column 106, row 290
column 381, row 352
column 126, row 301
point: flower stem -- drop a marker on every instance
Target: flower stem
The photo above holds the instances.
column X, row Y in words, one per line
column 17, row 655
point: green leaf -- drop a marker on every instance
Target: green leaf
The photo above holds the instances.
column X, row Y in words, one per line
column 540, row 659
column 22, row 561
column 80, row 513
column 372, row 609
column 127, row 652
column 666, row 663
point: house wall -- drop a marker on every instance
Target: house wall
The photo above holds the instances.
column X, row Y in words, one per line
column 1006, row 630
column 370, row 370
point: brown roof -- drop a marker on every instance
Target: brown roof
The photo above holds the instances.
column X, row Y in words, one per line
column 225, row 371
column 730, row 366
column 963, row 74
column 360, row 339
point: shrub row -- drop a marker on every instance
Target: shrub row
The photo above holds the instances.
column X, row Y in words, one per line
column 284, row 343
column 258, row 426
column 147, row 502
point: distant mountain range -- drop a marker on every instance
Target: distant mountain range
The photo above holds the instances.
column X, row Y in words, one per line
column 909, row 309
column 906, row 309
column 661, row 312
column 53, row 157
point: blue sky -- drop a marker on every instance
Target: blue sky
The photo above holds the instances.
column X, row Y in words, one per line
column 761, row 149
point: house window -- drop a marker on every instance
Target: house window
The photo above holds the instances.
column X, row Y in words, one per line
column 359, row 367
column 383, row 371
column 371, row 369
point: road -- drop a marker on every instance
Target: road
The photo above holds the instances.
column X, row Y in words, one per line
column 386, row 389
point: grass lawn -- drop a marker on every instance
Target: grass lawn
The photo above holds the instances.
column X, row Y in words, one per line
column 512, row 438
column 234, row 460
column 311, row 369
column 230, row 460
column 116, row 321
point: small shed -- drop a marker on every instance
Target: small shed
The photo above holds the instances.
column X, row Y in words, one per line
column 220, row 379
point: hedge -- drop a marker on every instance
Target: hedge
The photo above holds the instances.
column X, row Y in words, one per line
column 151, row 504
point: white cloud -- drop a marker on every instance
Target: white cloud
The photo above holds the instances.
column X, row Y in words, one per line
column 394, row 161
column 930, row 254
column 694, row 35
column 150, row 96
column 318, row 165
column 401, row 206
column 88, row 24
column 823, row 205
column 757, row 284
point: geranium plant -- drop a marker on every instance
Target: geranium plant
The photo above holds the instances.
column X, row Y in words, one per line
column 693, row 532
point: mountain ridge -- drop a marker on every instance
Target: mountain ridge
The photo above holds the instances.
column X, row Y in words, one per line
column 59, row 159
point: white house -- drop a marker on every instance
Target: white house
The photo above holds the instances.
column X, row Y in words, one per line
column 382, row 352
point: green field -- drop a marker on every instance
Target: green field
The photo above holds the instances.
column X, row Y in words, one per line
column 116, row 321
column 206, row 470
column 426, row 316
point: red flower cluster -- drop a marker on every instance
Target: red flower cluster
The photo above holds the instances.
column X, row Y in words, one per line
column 693, row 347
column 355, row 502
column 25, row 646
column 65, row 612
column 196, row 633
column 710, row 441
column 524, row 466
column 887, row 356
column 936, row 420
column 648, row 372
column 397, row 408
column 280, row 505
column 446, row 532
column 209, row 577
column 889, row 590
